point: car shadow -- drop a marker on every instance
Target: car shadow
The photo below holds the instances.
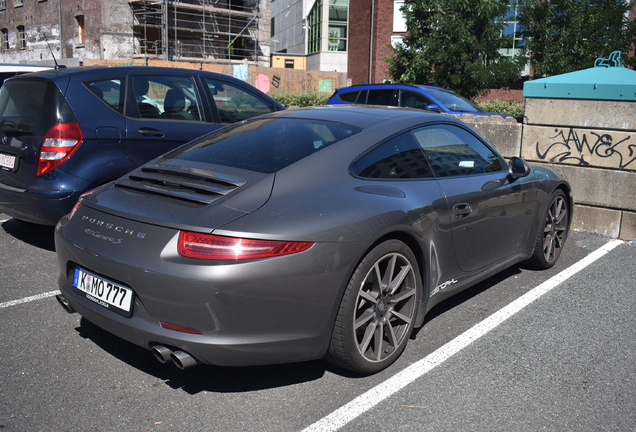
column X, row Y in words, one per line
column 40, row 236
column 220, row 379
column 200, row 378
column 467, row 294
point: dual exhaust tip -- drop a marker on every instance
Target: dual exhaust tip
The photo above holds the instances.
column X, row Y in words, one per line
column 181, row 359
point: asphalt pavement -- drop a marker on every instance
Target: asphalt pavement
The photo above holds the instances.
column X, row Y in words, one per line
column 526, row 350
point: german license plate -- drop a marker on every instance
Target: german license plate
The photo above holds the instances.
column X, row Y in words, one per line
column 104, row 292
column 8, row 162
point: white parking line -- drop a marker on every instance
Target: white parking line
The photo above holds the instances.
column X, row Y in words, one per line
column 28, row 299
column 368, row 400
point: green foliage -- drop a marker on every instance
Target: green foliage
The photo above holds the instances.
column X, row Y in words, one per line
column 569, row 35
column 301, row 99
column 454, row 44
column 515, row 109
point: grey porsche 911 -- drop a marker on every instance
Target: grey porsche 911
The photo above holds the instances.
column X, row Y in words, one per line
column 325, row 232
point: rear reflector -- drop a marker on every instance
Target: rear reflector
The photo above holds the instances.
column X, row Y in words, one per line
column 59, row 143
column 213, row 247
column 179, row 328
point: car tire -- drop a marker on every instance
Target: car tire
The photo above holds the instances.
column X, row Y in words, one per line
column 553, row 232
column 378, row 310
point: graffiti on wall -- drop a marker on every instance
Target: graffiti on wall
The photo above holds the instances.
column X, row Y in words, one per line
column 600, row 148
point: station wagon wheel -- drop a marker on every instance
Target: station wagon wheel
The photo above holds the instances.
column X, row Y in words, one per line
column 378, row 310
column 552, row 233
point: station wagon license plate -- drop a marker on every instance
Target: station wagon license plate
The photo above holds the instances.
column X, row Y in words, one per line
column 104, row 292
column 8, row 162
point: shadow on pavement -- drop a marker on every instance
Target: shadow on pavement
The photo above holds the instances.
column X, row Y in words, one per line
column 40, row 236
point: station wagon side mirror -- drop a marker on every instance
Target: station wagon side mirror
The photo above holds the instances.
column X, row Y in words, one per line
column 433, row 108
column 518, row 168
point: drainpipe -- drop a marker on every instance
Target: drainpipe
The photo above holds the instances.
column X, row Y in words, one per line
column 370, row 80
column 59, row 19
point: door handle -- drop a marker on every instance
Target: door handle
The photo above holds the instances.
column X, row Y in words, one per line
column 462, row 210
column 151, row 132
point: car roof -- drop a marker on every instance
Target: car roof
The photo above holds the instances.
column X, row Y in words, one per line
column 105, row 70
column 393, row 85
column 13, row 67
column 361, row 115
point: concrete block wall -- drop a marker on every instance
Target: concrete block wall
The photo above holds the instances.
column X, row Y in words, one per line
column 593, row 142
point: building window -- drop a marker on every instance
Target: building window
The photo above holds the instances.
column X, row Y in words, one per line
column 21, row 37
column 17, row 3
column 4, row 39
column 338, row 16
column 511, row 30
column 81, row 31
column 289, row 63
column 399, row 20
column 3, row 4
column 313, row 28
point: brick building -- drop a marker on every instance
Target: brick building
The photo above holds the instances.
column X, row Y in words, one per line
column 32, row 31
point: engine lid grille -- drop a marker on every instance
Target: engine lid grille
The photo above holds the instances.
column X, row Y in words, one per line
column 181, row 183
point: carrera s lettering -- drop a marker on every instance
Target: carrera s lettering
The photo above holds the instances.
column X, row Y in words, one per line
column 443, row 286
column 114, row 227
column 102, row 236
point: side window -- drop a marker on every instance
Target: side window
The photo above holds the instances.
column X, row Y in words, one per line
column 108, row 90
column 453, row 151
column 381, row 97
column 349, row 97
column 413, row 99
column 235, row 103
column 169, row 97
column 398, row 158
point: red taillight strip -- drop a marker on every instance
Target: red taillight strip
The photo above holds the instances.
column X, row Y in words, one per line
column 213, row 247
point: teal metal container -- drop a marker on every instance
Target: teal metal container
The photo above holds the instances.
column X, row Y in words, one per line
column 600, row 82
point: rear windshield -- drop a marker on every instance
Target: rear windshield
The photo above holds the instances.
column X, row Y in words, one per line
column 266, row 145
column 30, row 106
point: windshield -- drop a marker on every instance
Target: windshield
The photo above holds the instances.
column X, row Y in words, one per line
column 454, row 102
column 265, row 145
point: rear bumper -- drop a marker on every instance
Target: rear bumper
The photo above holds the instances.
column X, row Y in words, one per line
column 40, row 207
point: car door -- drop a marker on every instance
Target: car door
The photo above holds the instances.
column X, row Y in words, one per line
column 164, row 111
column 490, row 213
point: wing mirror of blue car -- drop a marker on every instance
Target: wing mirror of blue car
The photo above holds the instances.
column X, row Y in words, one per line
column 518, row 168
column 433, row 108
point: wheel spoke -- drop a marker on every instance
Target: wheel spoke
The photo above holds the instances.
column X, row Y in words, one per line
column 397, row 281
column 410, row 292
column 368, row 336
column 388, row 275
column 365, row 318
column 402, row 317
column 393, row 339
column 379, row 332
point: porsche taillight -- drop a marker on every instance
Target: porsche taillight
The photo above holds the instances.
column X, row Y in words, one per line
column 214, row 247
column 59, row 143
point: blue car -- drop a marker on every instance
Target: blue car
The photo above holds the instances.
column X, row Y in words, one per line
column 417, row 96
column 66, row 131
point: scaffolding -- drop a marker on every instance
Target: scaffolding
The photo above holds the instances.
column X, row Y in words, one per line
column 198, row 30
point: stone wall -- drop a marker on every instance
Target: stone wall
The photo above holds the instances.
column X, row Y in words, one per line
column 593, row 142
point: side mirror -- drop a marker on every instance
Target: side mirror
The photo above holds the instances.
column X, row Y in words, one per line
column 433, row 108
column 518, row 168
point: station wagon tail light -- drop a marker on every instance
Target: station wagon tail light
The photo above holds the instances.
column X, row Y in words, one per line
column 59, row 143
column 213, row 247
